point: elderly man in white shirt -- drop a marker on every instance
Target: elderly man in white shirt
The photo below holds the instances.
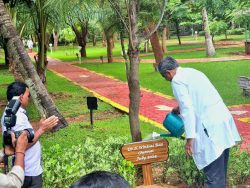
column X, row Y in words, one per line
column 209, row 127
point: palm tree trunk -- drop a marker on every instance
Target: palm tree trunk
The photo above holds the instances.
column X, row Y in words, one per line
column 133, row 82
column 24, row 66
column 109, row 48
column 55, row 37
column 164, row 38
column 146, row 46
column 6, row 55
column 210, row 50
column 104, row 42
column 81, row 38
column 178, row 31
column 94, row 39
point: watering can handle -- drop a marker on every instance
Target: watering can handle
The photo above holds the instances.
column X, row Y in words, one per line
column 182, row 137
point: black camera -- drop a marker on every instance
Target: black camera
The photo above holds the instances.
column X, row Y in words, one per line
column 10, row 121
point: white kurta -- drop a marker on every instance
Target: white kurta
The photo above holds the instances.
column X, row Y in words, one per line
column 202, row 108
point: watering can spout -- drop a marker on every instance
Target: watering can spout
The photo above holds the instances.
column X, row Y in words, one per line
column 155, row 135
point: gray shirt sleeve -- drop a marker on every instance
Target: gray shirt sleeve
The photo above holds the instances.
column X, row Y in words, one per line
column 14, row 179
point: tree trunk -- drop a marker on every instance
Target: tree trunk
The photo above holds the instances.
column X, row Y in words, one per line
column 146, row 46
column 6, row 56
column 104, row 44
column 133, row 83
column 41, row 61
column 168, row 33
column 94, row 39
column 164, row 38
column 210, row 51
column 124, row 54
column 81, row 37
column 178, row 31
column 56, row 38
column 110, row 48
column 24, row 66
column 157, row 49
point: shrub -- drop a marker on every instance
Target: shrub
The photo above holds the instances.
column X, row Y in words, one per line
column 181, row 166
column 218, row 27
column 237, row 31
column 238, row 169
column 63, row 167
column 185, row 169
column 201, row 33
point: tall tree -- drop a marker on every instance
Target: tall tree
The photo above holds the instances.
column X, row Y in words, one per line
column 210, row 50
column 133, row 82
column 177, row 12
column 215, row 7
column 78, row 14
column 109, row 22
column 43, row 12
column 149, row 14
column 24, row 66
column 130, row 21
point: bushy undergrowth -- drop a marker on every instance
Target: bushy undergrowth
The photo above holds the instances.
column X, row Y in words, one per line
column 185, row 169
column 63, row 167
column 180, row 166
column 239, row 163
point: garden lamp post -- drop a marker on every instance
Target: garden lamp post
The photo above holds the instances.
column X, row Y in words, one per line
column 80, row 57
column 50, row 46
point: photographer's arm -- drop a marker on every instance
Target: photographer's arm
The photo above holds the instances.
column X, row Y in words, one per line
column 15, row 177
column 44, row 126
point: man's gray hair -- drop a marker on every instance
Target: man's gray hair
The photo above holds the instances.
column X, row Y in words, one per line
column 168, row 63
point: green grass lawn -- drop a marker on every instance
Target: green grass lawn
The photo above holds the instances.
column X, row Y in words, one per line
column 223, row 75
column 68, row 53
column 220, row 52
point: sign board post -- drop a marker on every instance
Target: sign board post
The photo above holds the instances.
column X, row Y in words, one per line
column 145, row 153
column 92, row 105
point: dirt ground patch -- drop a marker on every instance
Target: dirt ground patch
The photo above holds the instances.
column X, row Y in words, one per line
column 96, row 116
column 82, row 118
column 236, row 53
column 2, row 104
column 59, row 95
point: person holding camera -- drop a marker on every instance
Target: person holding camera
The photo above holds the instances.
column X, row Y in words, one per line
column 15, row 178
column 33, row 165
column 209, row 126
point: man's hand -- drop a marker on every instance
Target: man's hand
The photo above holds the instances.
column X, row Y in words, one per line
column 9, row 149
column 176, row 110
column 189, row 146
column 44, row 125
column 21, row 146
column 22, row 142
column 47, row 124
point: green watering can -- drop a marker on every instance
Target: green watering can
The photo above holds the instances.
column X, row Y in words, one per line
column 174, row 124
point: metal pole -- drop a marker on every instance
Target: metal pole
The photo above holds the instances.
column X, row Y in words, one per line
column 91, row 117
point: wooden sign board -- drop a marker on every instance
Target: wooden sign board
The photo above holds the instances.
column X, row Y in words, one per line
column 146, row 152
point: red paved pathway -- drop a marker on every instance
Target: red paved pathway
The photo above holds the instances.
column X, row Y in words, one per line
column 153, row 107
